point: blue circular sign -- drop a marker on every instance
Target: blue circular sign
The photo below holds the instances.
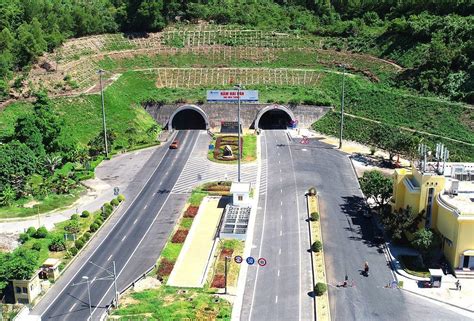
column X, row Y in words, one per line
column 250, row 260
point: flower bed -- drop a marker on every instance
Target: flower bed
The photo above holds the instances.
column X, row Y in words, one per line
column 218, row 281
column 226, row 252
column 232, row 142
column 165, row 268
column 179, row 236
column 191, row 211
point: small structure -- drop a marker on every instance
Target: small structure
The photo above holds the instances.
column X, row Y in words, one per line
column 240, row 194
column 50, row 268
column 26, row 291
column 435, row 278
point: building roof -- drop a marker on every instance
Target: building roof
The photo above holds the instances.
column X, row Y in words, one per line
column 240, row 187
column 51, row 262
column 464, row 200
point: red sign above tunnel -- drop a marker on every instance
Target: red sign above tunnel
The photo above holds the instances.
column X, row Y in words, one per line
column 232, row 96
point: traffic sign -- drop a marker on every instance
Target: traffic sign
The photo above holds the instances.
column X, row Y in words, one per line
column 211, row 147
column 250, row 260
column 238, row 259
column 116, row 190
column 262, row 262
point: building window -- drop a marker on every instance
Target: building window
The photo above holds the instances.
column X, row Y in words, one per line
column 429, row 207
column 25, row 290
column 17, row 289
column 240, row 198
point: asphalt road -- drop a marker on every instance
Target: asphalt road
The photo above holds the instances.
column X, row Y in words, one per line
column 280, row 290
column 348, row 240
column 144, row 226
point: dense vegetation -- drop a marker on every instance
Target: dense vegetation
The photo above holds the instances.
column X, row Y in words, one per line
column 431, row 38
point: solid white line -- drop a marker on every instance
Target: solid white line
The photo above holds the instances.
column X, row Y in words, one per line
column 262, row 234
column 141, row 240
column 299, row 232
column 109, row 257
column 105, row 236
column 72, row 307
column 123, row 238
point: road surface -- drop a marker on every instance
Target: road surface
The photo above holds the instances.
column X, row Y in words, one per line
column 133, row 242
column 280, row 290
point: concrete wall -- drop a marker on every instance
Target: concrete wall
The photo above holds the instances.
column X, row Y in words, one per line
column 306, row 115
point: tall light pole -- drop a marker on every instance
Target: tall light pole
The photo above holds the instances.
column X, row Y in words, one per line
column 239, row 88
column 101, row 72
column 89, row 295
column 342, row 106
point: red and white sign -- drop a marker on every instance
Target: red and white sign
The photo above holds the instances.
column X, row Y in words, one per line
column 232, row 95
column 262, row 262
column 238, row 259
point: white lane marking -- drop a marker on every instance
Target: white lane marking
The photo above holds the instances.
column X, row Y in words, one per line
column 280, row 179
column 123, row 238
column 281, row 233
column 281, row 217
column 107, row 235
column 145, row 206
column 279, row 162
column 154, row 193
column 72, row 307
column 281, row 203
column 279, row 252
column 276, row 299
column 143, row 237
column 278, row 273
column 280, row 170
column 135, row 221
column 109, row 257
column 281, row 191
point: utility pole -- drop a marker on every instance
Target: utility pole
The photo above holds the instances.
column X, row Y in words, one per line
column 342, row 106
column 112, row 276
column 115, row 287
column 239, row 88
column 225, row 274
column 101, row 72
column 86, row 280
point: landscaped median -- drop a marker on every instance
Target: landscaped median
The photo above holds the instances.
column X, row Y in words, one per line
column 164, row 302
column 249, row 148
column 319, row 270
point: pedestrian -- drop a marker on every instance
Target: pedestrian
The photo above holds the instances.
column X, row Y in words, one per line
column 458, row 285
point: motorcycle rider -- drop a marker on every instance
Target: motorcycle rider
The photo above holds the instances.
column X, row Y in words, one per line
column 366, row 268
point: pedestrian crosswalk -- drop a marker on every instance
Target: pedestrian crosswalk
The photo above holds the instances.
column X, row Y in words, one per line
column 199, row 169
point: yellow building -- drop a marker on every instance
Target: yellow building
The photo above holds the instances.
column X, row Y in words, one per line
column 26, row 291
column 446, row 194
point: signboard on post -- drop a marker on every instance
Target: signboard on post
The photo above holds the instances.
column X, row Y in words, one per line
column 226, row 96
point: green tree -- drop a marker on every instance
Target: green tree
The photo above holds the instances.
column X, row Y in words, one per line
column 57, row 243
column 426, row 241
column 30, row 42
column 72, row 227
column 377, row 187
column 401, row 221
column 7, row 196
column 21, row 264
column 17, row 164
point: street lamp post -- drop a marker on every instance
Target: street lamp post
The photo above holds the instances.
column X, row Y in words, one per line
column 225, row 274
column 239, row 88
column 101, row 72
column 342, row 106
column 89, row 295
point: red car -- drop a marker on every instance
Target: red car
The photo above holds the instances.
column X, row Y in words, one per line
column 174, row 145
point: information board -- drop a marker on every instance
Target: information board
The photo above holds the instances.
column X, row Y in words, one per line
column 232, row 96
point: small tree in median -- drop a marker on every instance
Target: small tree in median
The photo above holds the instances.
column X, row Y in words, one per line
column 314, row 216
column 320, row 288
column 317, row 246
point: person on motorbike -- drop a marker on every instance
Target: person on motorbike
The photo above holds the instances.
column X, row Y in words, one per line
column 366, row 268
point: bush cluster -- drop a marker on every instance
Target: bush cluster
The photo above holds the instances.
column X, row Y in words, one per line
column 85, row 214
column 314, row 216
column 320, row 288
column 317, row 246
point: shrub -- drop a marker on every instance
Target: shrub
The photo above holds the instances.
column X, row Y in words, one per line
column 73, row 251
column 72, row 227
column 121, row 198
column 86, row 236
column 314, row 216
column 23, row 237
column 85, row 214
column 320, row 288
column 114, row 202
column 107, row 204
column 165, row 268
column 316, row 246
column 79, row 243
column 37, row 246
column 312, row 191
column 74, row 217
column 57, row 243
column 179, row 236
column 218, row 281
column 94, row 227
column 31, row 231
column 41, row 233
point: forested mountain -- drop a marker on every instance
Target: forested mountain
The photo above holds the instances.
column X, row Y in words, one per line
column 431, row 38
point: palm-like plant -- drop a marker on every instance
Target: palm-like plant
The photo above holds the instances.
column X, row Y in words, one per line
column 51, row 162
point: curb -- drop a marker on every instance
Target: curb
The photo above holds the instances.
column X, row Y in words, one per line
column 312, row 258
column 437, row 300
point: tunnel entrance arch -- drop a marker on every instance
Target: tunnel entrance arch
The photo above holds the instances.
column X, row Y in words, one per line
column 188, row 117
column 274, row 117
